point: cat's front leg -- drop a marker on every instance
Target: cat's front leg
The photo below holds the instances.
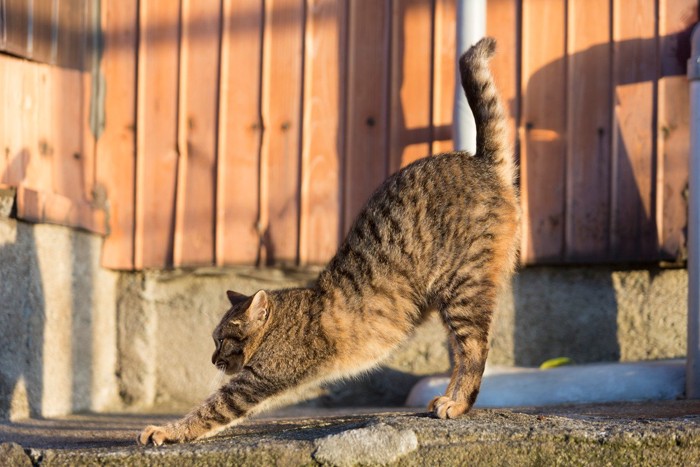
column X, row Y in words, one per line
column 229, row 404
column 204, row 420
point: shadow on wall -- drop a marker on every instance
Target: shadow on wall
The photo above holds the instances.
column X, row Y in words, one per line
column 592, row 153
column 564, row 312
column 22, row 317
column 591, row 176
column 46, row 320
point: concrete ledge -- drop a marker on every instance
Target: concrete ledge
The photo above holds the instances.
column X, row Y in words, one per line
column 665, row 433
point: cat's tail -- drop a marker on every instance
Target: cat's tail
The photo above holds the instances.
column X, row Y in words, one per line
column 492, row 139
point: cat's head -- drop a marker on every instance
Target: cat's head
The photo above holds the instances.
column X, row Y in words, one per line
column 237, row 335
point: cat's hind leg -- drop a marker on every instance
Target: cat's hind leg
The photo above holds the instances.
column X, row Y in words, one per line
column 468, row 319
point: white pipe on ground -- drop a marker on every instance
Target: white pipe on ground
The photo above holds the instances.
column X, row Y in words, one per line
column 692, row 380
column 471, row 26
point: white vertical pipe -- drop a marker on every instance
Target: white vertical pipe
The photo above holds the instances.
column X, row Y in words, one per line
column 692, row 382
column 471, row 26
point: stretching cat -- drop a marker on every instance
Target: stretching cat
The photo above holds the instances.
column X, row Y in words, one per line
column 440, row 234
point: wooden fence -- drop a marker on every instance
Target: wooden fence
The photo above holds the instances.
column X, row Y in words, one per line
column 251, row 132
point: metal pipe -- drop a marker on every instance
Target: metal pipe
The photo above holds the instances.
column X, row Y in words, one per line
column 692, row 380
column 471, row 26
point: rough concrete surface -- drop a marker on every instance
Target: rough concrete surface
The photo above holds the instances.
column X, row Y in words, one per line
column 57, row 322
column 648, row 434
column 591, row 314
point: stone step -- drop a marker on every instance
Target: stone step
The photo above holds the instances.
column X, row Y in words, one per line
column 641, row 434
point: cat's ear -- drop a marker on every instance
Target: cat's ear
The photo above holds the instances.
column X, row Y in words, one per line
column 235, row 298
column 258, row 309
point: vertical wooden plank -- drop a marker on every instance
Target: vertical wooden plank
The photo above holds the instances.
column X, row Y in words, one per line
column 39, row 146
column 676, row 19
column 240, row 130
column 89, row 124
column 67, row 99
column 18, row 15
column 282, row 86
column 156, row 132
column 27, row 163
column 4, row 137
column 199, row 87
column 543, row 131
column 71, row 34
column 43, row 29
column 503, row 23
column 323, row 109
column 589, row 130
column 67, row 137
column 116, row 151
column 36, row 117
column 16, row 158
column 3, row 25
column 633, row 232
column 366, row 148
column 411, row 75
column 444, row 75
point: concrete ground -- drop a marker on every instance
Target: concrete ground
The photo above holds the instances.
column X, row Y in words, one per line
column 656, row 433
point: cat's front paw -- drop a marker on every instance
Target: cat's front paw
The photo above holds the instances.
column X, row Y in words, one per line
column 158, row 435
column 444, row 407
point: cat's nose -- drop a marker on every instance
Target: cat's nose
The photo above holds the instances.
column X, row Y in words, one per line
column 214, row 357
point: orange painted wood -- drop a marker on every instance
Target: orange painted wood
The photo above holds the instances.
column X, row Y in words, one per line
column 45, row 17
column 367, row 120
column 71, row 33
column 633, row 230
column 116, row 147
column 240, row 132
column 543, row 130
column 676, row 19
column 282, row 88
column 14, row 147
column 199, row 78
column 4, row 139
column 47, row 207
column 67, row 137
column 444, row 75
column 18, row 15
column 42, row 122
column 37, row 118
column 589, row 131
column 411, row 82
column 91, row 122
column 502, row 23
column 156, row 132
column 322, row 138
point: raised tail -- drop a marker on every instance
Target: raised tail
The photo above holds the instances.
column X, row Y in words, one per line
column 492, row 139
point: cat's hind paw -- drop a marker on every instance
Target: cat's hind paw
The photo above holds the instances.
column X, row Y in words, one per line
column 157, row 435
column 443, row 407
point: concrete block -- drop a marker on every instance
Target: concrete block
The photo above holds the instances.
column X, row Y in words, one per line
column 591, row 314
column 57, row 322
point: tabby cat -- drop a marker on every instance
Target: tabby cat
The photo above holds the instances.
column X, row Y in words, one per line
column 440, row 234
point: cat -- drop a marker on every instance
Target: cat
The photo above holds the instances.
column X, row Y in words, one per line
column 439, row 235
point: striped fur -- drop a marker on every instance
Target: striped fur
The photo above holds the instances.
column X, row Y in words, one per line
column 439, row 235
